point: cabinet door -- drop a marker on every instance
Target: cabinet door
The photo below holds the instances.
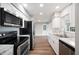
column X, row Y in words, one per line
column 65, row 49
column 2, row 16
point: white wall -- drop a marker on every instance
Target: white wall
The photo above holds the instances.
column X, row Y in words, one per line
column 77, row 29
column 39, row 29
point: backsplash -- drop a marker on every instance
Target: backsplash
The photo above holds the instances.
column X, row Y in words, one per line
column 70, row 34
column 4, row 29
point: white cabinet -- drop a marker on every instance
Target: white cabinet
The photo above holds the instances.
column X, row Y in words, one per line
column 54, row 42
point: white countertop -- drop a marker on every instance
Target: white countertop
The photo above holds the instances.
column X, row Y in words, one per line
column 69, row 41
column 6, row 49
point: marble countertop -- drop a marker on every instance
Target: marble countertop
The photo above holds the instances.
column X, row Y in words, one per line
column 4, row 49
column 69, row 41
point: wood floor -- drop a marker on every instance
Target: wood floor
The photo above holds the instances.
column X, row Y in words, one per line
column 42, row 47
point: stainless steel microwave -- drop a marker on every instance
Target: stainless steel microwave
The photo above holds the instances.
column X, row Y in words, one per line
column 8, row 19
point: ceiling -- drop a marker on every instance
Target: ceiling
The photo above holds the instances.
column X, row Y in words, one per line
column 47, row 10
column 34, row 10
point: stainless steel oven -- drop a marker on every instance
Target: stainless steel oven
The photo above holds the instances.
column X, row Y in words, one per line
column 24, row 45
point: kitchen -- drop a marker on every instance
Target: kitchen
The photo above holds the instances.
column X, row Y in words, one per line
column 37, row 28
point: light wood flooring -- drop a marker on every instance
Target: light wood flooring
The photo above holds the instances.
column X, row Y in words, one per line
column 41, row 47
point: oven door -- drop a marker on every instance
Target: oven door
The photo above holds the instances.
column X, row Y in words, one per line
column 23, row 48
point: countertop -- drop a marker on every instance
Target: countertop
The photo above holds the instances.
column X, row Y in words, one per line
column 69, row 41
column 6, row 49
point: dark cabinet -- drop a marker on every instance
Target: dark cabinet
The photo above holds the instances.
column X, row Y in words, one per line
column 8, row 19
column 2, row 16
column 29, row 30
column 65, row 49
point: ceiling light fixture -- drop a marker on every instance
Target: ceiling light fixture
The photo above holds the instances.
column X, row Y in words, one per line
column 41, row 5
column 57, row 7
column 5, row 9
column 25, row 5
column 41, row 13
column 39, row 20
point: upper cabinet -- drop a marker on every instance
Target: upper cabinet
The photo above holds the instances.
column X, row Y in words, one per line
column 56, row 20
column 64, row 20
column 56, row 23
column 68, row 18
column 8, row 19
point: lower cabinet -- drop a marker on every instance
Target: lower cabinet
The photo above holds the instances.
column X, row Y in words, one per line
column 65, row 49
column 54, row 42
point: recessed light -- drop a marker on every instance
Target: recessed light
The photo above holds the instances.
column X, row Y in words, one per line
column 17, row 15
column 57, row 7
column 5, row 9
column 41, row 13
column 41, row 5
column 39, row 20
column 25, row 5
